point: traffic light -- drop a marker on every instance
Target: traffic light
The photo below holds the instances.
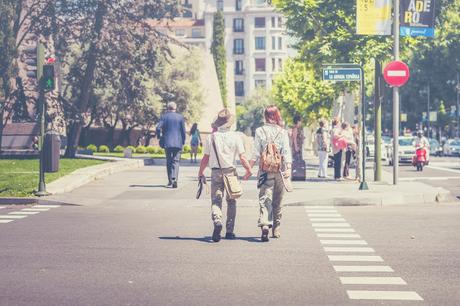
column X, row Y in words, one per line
column 48, row 80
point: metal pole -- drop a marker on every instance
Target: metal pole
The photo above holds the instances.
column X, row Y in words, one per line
column 42, row 108
column 458, row 102
column 428, row 112
column 396, row 96
column 363, row 185
column 377, row 124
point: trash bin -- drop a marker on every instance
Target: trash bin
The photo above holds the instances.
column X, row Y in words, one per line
column 51, row 152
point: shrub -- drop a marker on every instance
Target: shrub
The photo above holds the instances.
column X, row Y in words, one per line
column 103, row 149
column 187, row 149
column 92, row 148
column 141, row 150
column 118, row 149
column 152, row 150
column 133, row 149
column 200, row 149
column 161, row 151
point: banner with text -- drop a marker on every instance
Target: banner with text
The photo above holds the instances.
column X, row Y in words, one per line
column 417, row 17
column 373, row 17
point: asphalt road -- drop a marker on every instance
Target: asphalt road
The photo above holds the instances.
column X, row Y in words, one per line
column 126, row 240
column 442, row 172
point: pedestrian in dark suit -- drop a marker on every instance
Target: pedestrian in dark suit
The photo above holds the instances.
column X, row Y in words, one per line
column 171, row 130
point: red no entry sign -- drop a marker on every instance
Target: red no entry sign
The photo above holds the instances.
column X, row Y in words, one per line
column 396, row 73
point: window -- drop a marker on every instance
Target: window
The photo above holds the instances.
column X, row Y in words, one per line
column 261, row 83
column 197, row 33
column 238, row 46
column 273, row 22
column 180, row 32
column 273, row 64
column 273, row 43
column 239, row 88
column 220, row 5
column 239, row 69
column 280, row 22
column 260, row 64
column 280, row 64
column 238, row 5
column 260, row 43
column 259, row 22
column 280, row 43
column 238, row 25
column 260, row 2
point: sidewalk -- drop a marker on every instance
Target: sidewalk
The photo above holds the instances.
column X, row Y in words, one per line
column 150, row 180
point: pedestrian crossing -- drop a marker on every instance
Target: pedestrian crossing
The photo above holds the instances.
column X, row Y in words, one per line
column 343, row 245
column 23, row 213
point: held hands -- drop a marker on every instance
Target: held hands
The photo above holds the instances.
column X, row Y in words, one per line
column 247, row 175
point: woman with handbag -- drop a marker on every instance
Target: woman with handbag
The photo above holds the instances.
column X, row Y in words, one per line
column 220, row 150
column 272, row 151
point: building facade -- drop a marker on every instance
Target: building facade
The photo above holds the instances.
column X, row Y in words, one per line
column 255, row 40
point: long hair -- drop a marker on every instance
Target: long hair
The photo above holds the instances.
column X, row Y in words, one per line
column 273, row 115
column 194, row 128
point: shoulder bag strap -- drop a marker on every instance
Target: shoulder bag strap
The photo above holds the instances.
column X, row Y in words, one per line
column 216, row 152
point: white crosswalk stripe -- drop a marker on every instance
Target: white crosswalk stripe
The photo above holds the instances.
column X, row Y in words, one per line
column 5, row 221
column 384, row 295
column 25, row 212
column 35, row 209
column 359, row 258
column 46, row 206
column 12, row 217
column 333, row 225
column 372, row 281
column 349, row 249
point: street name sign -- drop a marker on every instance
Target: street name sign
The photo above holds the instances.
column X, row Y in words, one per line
column 342, row 74
column 396, row 73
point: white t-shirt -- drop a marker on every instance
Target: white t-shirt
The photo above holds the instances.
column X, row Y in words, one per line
column 229, row 146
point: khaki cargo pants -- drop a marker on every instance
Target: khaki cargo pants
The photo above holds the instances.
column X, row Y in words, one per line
column 270, row 197
column 217, row 192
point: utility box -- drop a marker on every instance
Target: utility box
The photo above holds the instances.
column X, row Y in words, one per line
column 51, row 152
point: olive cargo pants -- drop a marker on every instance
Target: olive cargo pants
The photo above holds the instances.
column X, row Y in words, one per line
column 217, row 193
column 270, row 197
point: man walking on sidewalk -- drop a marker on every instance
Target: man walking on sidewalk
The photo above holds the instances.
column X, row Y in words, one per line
column 220, row 151
column 171, row 130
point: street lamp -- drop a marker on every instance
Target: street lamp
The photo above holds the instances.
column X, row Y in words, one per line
column 456, row 83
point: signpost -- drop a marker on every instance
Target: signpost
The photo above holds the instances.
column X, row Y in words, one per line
column 351, row 72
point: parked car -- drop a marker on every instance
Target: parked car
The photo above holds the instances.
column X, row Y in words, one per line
column 406, row 150
column 452, row 147
column 370, row 149
column 435, row 147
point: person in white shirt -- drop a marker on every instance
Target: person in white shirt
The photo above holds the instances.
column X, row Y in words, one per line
column 271, row 183
column 421, row 142
column 229, row 145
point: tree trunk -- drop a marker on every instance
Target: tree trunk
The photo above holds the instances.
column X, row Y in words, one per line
column 82, row 102
column 2, row 112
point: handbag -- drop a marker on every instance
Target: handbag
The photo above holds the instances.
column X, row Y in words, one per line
column 231, row 183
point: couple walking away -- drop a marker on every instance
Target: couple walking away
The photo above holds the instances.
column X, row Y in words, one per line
column 271, row 150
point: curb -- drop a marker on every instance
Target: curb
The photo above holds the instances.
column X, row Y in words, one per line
column 86, row 175
column 18, row 201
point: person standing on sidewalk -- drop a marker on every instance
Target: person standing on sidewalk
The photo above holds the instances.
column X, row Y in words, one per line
column 195, row 141
column 272, row 149
column 350, row 148
column 322, row 145
column 171, row 130
column 337, row 147
column 222, row 147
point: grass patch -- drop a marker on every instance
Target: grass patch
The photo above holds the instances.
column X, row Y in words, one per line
column 184, row 156
column 19, row 177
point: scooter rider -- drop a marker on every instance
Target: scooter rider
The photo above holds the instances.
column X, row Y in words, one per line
column 421, row 142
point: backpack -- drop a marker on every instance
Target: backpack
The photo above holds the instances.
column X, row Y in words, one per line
column 270, row 159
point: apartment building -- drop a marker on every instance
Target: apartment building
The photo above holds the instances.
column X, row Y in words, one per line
column 186, row 30
column 255, row 39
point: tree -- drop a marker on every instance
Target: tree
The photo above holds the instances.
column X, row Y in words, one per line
column 219, row 53
column 297, row 91
column 250, row 116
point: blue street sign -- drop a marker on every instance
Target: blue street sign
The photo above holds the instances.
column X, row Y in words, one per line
column 341, row 74
column 416, row 31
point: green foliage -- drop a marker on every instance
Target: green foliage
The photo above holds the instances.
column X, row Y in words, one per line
column 161, row 151
column 219, row 53
column 186, row 149
column 118, row 149
column 152, row 150
column 133, row 149
column 141, row 150
column 250, row 116
column 104, row 149
column 92, row 148
column 200, row 149
column 298, row 91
